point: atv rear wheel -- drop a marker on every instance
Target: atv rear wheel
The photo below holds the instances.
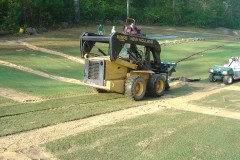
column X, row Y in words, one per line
column 211, row 78
column 227, row 80
column 157, row 85
column 135, row 87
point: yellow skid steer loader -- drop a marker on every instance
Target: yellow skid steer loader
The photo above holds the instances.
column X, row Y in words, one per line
column 124, row 64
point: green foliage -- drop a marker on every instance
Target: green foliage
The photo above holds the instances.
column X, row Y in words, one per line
column 29, row 13
column 50, row 13
column 101, row 10
column 9, row 14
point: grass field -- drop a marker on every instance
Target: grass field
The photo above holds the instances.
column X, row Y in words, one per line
column 6, row 101
column 228, row 99
column 202, row 62
column 168, row 134
column 37, row 85
column 165, row 135
column 16, row 118
column 40, row 61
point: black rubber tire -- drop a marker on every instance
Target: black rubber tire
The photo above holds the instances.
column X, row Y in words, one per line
column 135, row 87
column 157, row 85
column 227, row 80
column 211, row 78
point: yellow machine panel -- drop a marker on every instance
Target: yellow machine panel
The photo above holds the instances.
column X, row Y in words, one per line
column 115, row 71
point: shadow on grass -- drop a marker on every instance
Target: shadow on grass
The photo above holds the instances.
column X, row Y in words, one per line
column 183, row 90
column 236, row 83
column 176, row 92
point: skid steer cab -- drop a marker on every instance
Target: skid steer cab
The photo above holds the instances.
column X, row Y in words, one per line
column 124, row 64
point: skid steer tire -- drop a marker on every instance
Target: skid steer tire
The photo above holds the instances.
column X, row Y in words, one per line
column 135, row 87
column 156, row 86
column 211, row 78
column 227, row 80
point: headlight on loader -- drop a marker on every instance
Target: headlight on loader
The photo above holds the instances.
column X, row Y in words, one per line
column 211, row 70
column 224, row 72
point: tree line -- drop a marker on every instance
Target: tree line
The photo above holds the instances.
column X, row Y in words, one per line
column 50, row 13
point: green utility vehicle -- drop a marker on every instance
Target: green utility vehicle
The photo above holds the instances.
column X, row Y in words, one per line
column 226, row 73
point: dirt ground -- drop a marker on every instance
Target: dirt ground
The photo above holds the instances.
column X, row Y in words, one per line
column 26, row 145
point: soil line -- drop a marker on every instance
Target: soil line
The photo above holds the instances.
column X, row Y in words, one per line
column 33, row 47
column 26, row 69
column 49, row 51
column 18, row 96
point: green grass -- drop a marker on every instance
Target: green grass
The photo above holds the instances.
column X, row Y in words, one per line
column 236, row 83
column 6, row 102
column 182, row 91
column 57, row 103
column 165, row 135
column 68, row 102
column 198, row 65
column 52, row 64
column 227, row 99
column 67, row 40
column 66, row 45
column 39, row 86
column 24, row 117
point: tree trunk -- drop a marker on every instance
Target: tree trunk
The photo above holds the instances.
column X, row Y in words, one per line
column 174, row 11
column 77, row 11
column 127, row 8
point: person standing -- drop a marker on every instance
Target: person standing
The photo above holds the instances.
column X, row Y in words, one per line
column 113, row 30
column 100, row 29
